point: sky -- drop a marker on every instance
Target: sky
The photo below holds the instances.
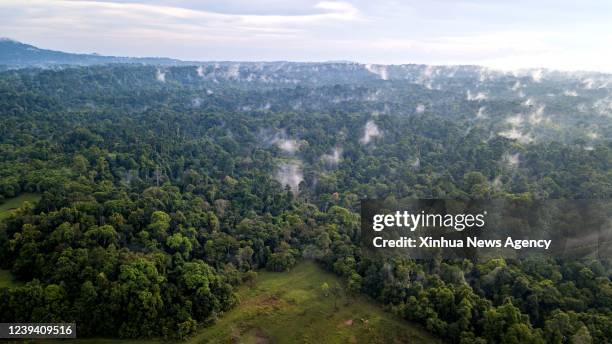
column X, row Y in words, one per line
column 564, row 35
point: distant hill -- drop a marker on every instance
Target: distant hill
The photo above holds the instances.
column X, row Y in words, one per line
column 14, row 54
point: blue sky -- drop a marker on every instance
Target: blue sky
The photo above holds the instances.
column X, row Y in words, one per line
column 567, row 35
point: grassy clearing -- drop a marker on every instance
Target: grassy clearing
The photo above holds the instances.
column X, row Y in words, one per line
column 13, row 203
column 6, row 279
column 291, row 307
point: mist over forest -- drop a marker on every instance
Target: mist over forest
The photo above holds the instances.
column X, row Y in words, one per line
column 162, row 188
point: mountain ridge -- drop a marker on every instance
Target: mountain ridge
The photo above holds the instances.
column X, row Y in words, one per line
column 15, row 55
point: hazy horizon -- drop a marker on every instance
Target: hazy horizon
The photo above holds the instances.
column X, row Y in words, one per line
column 501, row 35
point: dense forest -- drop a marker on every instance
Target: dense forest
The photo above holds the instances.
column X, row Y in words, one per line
column 164, row 188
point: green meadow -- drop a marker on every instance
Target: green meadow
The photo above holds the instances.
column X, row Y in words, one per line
column 291, row 307
column 13, row 203
column 6, row 279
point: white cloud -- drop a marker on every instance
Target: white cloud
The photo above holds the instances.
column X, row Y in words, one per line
column 379, row 70
column 160, row 75
column 477, row 96
column 370, row 131
column 290, row 173
column 380, row 32
column 515, row 120
column 511, row 160
column 481, row 113
column 537, row 116
column 570, row 93
column 516, row 134
column 289, row 146
column 333, row 158
column 129, row 25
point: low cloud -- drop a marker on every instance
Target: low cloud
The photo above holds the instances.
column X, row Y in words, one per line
column 370, row 131
column 333, row 158
column 511, row 160
column 481, row 113
column 537, row 116
column 289, row 146
column 160, row 75
column 379, row 70
column 291, row 174
column 537, row 75
column 476, row 96
column 570, row 93
column 516, row 134
column 515, row 120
